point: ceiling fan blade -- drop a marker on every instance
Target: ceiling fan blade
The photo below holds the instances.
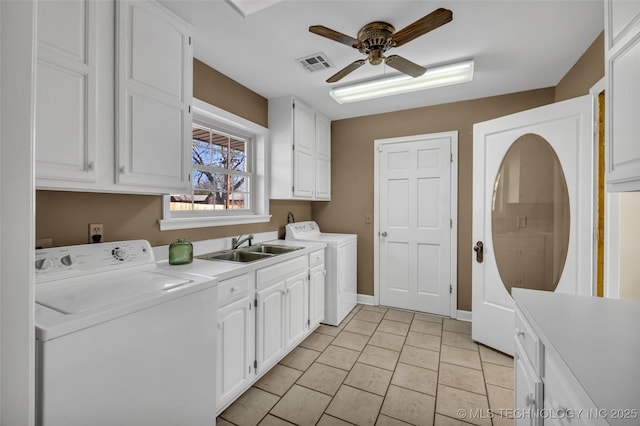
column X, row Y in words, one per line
column 334, row 35
column 346, row 70
column 435, row 19
column 405, row 65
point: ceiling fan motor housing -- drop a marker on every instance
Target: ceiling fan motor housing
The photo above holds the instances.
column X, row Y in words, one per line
column 375, row 40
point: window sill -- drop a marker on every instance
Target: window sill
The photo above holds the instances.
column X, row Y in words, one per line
column 203, row 222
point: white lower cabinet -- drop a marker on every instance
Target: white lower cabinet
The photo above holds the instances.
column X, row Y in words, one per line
column 317, row 273
column 282, row 306
column 296, row 306
column 262, row 315
column 546, row 390
column 236, row 338
column 270, row 325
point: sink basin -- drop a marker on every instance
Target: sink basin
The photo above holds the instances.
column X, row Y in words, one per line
column 234, row 256
column 271, row 249
column 249, row 254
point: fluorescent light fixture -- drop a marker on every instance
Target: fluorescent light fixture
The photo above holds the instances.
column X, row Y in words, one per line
column 445, row 75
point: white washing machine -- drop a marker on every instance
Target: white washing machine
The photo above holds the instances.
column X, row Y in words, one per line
column 341, row 263
column 120, row 341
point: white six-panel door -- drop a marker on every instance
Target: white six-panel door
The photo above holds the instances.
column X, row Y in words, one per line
column 415, row 222
column 567, row 127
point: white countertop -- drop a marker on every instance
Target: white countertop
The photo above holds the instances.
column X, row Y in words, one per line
column 598, row 339
column 227, row 269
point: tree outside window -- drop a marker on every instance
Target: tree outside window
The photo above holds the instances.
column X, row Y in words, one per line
column 221, row 176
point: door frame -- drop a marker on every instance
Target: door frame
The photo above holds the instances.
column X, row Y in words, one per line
column 611, row 212
column 378, row 143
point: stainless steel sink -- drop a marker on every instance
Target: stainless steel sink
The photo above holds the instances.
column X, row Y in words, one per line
column 271, row 249
column 249, row 254
column 234, row 256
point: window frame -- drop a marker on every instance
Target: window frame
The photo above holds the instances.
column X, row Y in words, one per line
column 216, row 118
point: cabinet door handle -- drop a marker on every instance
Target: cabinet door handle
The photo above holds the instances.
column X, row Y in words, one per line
column 530, row 400
column 90, row 165
column 383, row 234
column 519, row 332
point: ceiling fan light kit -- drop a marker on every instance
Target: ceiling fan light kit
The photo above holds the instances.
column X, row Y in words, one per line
column 446, row 75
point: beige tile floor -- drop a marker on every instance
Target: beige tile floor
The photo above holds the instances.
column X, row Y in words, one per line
column 383, row 366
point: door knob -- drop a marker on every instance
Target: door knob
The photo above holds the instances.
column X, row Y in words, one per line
column 383, row 234
column 479, row 249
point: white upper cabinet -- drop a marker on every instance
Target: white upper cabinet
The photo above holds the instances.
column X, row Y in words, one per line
column 622, row 120
column 300, row 151
column 66, row 91
column 323, row 158
column 153, row 97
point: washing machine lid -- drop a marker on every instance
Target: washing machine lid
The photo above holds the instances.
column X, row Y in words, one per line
column 86, row 294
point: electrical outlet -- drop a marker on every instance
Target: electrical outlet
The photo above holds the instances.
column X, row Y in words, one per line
column 96, row 233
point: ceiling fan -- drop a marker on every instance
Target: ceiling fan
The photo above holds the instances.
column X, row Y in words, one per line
column 375, row 38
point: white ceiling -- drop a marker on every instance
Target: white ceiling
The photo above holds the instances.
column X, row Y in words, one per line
column 516, row 44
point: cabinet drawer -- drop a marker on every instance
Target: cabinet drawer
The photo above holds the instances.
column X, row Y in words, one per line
column 316, row 258
column 530, row 342
column 271, row 274
column 233, row 289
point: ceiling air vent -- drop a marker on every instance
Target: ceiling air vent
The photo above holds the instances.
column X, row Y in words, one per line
column 315, row 62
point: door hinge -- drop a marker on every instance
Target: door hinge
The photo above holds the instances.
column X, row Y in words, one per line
column 451, row 157
column 255, row 302
column 309, row 322
column 450, row 289
column 293, row 189
column 189, row 107
column 380, row 148
column 293, row 147
column 189, row 40
column 309, row 276
column 255, row 364
column 450, row 223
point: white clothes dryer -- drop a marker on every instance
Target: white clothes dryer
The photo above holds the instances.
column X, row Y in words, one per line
column 341, row 263
column 121, row 341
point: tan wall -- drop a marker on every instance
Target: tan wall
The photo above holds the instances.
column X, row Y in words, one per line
column 352, row 171
column 65, row 216
column 586, row 72
column 217, row 89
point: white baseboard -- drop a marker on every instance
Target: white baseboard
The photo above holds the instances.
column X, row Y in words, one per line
column 463, row 315
column 365, row 299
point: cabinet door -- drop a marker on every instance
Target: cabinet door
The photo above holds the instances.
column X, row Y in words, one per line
column 65, row 94
column 270, row 325
column 303, row 151
column 154, row 85
column 323, row 158
column 296, row 307
column 623, row 126
column 528, row 389
column 236, row 351
column 316, row 295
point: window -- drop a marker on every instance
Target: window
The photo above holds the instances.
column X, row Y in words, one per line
column 228, row 177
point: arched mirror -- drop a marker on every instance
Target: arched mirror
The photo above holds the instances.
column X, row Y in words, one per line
column 530, row 216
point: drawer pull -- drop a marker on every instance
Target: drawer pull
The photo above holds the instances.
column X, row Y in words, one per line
column 519, row 332
column 235, row 288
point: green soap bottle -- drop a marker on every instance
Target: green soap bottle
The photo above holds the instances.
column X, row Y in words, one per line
column 180, row 252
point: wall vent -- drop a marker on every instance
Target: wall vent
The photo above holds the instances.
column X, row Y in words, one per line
column 315, row 62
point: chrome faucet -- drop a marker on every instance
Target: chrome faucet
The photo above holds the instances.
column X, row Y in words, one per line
column 238, row 241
